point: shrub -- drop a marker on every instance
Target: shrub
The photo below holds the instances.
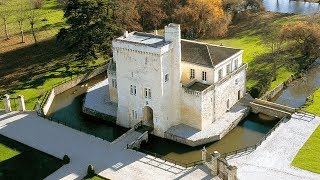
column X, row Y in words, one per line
column 260, row 88
column 91, row 171
column 66, row 159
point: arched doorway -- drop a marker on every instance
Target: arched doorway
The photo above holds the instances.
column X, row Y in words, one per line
column 148, row 116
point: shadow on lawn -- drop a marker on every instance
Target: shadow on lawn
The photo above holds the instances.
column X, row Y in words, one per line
column 31, row 66
column 29, row 164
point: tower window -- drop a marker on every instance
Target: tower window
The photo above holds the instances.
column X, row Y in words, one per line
column 166, row 78
column 114, row 83
column 133, row 90
column 147, row 93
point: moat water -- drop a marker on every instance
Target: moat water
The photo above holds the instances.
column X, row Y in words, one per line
column 67, row 109
column 289, row 6
column 295, row 95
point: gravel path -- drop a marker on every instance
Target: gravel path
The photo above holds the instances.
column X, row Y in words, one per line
column 111, row 160
column 272, row 159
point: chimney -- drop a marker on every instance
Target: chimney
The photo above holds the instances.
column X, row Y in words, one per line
column 172, row 32
column 156, row 32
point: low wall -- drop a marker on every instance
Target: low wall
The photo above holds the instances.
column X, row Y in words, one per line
column 49, row 101
column 70, row 84
column 208, row 139
column 98, row 114
column 271, row 94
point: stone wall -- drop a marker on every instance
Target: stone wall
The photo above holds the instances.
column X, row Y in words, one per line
column 227, row 89
column 69, row 84
column 271, row 94
column 142, row 138
column 186, row 73
column 221, row 168
column 271, row 109
column 191, row 106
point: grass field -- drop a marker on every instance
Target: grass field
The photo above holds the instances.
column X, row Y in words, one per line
column 29, row 69
column 247, row 34
column 313, row 103
column 308, row 157
column 18, row 161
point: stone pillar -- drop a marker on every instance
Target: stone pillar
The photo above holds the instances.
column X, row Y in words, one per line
column 215, row 164
column 204, row 154
column 22, row 106
column 39, row 109
column 7, row 104
column 232, row 174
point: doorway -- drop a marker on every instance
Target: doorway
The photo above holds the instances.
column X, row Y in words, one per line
column 148, row 116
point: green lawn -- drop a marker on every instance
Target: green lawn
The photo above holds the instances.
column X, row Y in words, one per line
column 313, row 103
column 247, row 34
column 18, row 161
column 7, row 153
column 308, row 157
column 29, row 69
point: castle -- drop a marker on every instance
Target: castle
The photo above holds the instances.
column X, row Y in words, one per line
column 165, row 81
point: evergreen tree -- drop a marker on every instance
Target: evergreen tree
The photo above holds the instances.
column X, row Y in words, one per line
column 91, row 30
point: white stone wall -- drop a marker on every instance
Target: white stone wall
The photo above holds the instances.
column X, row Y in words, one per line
column 229, row 90
column 186, row 72
column 113, row 91
column 223, row 65
column 191, row 108
column 207, row 110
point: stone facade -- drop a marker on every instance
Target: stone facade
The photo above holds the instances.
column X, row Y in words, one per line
column 163, row 82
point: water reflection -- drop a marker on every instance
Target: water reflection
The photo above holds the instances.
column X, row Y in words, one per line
column 289, row 6
column 247, row 133
column 296, row 94
column 67, row 108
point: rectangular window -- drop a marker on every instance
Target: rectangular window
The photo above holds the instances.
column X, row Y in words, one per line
column 236, row 64
column 114, row 83
column 147, row 93
column 229, row 68
column 192, row 74
column 220, row 74
column 166, row 78
column 204, row 76
column 134, row 115
column 133, row 90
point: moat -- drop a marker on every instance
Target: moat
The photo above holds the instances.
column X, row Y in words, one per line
column 67, row 109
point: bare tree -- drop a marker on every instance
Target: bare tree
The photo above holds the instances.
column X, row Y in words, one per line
column 274, row 40
column 21, row 17
column 5, row 13
column 33, row 19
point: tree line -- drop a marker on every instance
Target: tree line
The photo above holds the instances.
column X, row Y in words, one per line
column 94, row 23
column 23, row 11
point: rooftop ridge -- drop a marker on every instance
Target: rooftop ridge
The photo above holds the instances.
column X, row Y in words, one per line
column 209, row 44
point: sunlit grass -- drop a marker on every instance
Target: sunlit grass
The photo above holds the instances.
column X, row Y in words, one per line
column 308, row 157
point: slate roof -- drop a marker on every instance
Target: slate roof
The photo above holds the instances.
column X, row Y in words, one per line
column 205, row 54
